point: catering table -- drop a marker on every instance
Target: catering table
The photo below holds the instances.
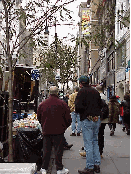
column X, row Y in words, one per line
column 28, row 146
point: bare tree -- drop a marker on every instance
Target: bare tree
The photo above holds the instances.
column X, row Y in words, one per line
column 33, row 14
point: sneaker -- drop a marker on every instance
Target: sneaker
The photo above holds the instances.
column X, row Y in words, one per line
column 83, row 154
column 43, row 171
column 63, row 171
column 72, row 134
column 78, row 134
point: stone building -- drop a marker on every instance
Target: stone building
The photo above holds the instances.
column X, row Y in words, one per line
column 106, row 58
column 122, row 36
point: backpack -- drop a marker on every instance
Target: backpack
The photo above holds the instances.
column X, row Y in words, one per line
column 104, row 110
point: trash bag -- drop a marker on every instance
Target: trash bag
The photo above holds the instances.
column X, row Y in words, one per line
column 31, row 143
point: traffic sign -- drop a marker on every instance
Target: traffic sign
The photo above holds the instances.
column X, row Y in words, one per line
column 35, row 74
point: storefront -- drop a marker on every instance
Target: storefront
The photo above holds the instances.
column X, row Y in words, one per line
column 120, row 82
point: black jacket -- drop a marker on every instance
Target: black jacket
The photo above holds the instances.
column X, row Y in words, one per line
column 88, row 102
column 126, row 111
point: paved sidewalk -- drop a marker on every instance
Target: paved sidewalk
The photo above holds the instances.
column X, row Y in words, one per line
column 116, row 153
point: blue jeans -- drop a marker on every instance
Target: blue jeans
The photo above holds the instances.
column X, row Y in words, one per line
column 90, row 132
column 75, row 117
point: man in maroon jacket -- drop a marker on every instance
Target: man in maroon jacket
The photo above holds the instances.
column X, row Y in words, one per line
column 54, row 116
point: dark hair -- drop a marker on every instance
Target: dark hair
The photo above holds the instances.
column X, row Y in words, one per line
column 113, row 97
column 76, row 88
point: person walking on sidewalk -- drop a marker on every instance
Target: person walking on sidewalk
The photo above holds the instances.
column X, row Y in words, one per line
column 121, row 114
column 75, row 116
column 54, row 116
column 126, row 112
column 65, row 144
column 88, row 104
column 104, row 117
column 114, row 111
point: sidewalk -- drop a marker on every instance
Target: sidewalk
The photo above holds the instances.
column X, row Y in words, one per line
column 116, row 155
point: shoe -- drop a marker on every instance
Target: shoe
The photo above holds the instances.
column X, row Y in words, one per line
column 97, row 168
column 43, row 171
column 72, row 134
column 67, row 147
column 63, row 171
column 82, row 148
column 111, row 133
column 86, row 171
column 123, row 129
column 83, row 154
column 78, row 134
column 128, row 132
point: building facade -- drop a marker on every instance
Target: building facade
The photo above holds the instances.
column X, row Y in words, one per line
column 106, row 60
column 122, row 36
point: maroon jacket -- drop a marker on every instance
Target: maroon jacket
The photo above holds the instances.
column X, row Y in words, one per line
column 54, row 115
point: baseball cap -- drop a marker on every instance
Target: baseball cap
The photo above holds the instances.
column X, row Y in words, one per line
column 84, row 79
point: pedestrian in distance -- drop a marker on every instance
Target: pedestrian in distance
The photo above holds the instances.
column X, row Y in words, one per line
column 88, row 105
column 126, row 112
column 75, row 116
column 66, row 98
column 104, row 119
column 114, row 111
column 54, row 116
column 121, row 114
column 65, row 144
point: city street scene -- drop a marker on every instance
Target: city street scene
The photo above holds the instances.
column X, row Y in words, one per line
column 65, row 86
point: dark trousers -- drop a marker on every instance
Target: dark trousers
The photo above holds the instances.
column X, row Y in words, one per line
column 64, row 142
column 101, row 137
column 112, row 126
column 57, row 142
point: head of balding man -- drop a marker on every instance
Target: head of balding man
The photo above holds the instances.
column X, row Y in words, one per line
column 53, row 90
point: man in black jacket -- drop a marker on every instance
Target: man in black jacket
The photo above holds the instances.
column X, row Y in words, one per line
column 88, row 104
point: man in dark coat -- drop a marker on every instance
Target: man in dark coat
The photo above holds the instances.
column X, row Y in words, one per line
column 54, row 116
column 88, row 105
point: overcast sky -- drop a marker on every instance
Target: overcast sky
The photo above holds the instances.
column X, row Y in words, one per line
column 66, row 31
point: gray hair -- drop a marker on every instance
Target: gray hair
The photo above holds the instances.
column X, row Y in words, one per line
column 53, row 90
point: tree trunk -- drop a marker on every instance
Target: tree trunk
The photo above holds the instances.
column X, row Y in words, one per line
column 9, row 58
column 10, row 111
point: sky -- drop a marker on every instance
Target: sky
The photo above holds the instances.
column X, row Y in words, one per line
column 65, row 32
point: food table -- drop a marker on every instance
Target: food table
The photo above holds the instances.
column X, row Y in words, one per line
column 27, row 141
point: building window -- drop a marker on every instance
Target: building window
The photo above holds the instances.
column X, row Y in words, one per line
column 121, row 25
column 111, row 62
column 121, row 56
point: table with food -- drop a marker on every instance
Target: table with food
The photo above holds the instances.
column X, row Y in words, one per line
column 27, row 141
